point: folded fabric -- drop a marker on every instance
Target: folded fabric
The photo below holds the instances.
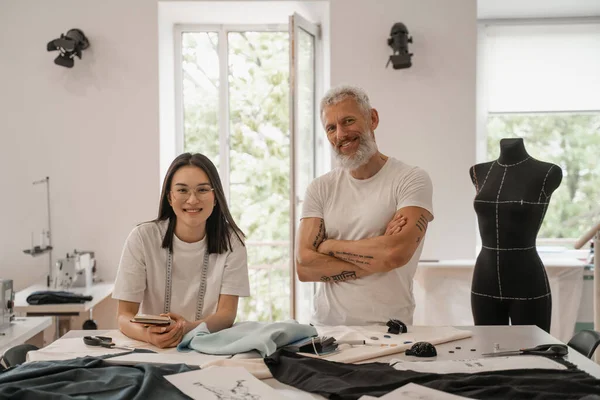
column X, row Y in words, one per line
column 56, row 297
column 90, row 378
column 263, row 337
column 351, row 381
column 315, row 345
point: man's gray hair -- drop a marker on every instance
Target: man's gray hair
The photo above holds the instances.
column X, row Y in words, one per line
column 340, row 93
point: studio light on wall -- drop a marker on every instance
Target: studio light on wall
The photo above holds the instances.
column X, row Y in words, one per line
column 69, row 45
column 399, row 41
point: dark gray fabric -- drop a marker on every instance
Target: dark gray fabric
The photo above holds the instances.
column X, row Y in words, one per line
column 56, row 297
column 90, row 378
column 349, row 381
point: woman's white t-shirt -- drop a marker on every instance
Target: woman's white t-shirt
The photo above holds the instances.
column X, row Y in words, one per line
column 141, row 277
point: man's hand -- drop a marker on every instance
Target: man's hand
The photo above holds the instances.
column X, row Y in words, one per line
column 393, row 227
column 396, row 224
column 313, row 263
column 165, row 336
column 324, row 249
column 393, row 249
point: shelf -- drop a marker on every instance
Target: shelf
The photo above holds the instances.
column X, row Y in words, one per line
column 37, row 250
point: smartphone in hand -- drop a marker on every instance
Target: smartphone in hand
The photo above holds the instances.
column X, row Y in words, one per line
column 148, row 319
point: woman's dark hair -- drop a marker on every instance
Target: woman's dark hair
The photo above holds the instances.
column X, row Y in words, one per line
column 218, row 225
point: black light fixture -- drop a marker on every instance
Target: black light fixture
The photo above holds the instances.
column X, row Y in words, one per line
column 69, row 46
column 399, row 41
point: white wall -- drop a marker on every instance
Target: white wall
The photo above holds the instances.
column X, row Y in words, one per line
column 93, row 129
column 427, row 112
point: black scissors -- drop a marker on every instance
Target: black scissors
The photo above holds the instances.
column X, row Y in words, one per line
column 548, row 350
column 103, row 341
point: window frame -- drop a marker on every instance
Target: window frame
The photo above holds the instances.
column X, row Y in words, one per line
column 483, row 96
column 222, row 30
column 224, row 122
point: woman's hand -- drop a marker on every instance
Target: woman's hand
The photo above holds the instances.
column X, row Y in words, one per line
column 165, row 336
column 187, row 325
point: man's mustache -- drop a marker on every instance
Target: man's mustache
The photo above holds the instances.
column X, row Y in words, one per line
column 340, row 142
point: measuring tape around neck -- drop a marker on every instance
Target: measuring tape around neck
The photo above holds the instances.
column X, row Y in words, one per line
column 201, row 290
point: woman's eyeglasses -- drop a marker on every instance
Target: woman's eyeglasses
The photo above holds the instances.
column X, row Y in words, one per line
column 184, row 193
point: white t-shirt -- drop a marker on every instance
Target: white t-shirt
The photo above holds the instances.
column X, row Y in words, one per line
column 355, row 209
column 142, row 272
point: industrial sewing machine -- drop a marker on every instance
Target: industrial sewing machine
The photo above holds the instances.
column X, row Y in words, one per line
column 75, row 270
column 7, row 297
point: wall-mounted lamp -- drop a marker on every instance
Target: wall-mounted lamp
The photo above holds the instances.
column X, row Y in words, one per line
column 69, row 46
column 399, row 41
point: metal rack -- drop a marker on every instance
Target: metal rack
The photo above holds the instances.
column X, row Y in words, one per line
column 35, row 251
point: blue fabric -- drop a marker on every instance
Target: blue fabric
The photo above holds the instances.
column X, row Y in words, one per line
column 246, row 336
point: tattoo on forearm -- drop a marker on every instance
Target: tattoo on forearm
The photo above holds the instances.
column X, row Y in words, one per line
column 418, row 239
column 353, row 258
column 343, row 253
column 353, row 261
column 422, row 223
column 320, row 235
column 343, row 276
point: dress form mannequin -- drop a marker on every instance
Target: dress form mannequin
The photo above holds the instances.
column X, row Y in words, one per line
column 509, row 280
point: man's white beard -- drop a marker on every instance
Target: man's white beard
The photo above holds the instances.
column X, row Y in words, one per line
column 366, row 149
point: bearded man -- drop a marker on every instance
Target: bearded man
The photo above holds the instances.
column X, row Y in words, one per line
column 363, row 224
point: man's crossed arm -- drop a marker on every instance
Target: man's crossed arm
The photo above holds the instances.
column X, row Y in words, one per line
column 319, row 259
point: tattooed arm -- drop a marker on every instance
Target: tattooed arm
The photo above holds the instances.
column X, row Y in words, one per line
column 312, row 266
column 383, row 253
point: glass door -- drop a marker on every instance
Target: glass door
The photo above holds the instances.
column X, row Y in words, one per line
column 303, row 118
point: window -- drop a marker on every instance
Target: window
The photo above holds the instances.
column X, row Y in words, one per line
column 566, row 139
column 235, row 108
column 540, row 83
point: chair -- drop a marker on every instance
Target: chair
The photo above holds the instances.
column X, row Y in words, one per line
column 585, row 342
column 17, row 355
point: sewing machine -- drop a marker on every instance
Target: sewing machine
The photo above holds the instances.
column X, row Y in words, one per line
column 75, row 270
column 7, row 297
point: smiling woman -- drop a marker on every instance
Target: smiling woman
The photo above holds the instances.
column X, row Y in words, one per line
column 189, row 263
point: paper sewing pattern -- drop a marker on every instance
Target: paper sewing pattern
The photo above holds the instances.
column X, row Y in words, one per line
column 239, row 392
column 413, row 391
column 477, row 365
column 222, row 383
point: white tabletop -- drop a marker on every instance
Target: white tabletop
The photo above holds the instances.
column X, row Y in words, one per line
column 21, row 330
column 509, row 337
column 482, row 340
column 98, row 291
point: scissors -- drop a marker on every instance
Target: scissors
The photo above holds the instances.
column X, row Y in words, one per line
column 103, row 341
column 548, row 350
